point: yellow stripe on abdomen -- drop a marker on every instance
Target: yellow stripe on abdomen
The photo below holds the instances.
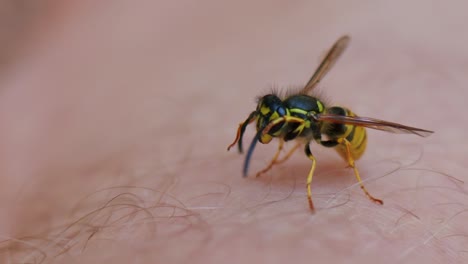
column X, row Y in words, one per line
column 358, row 142
column 357, row 137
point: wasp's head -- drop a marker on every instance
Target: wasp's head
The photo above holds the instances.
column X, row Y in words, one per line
column 269, row 108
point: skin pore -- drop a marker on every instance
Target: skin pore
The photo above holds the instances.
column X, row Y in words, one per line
column 116, row 117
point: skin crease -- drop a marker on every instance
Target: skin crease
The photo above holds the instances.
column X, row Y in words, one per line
column 134, row 105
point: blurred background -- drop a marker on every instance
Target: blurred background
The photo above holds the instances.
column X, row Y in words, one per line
column 95, row 95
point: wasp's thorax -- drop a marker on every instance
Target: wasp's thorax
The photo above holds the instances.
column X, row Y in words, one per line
column 271, row 107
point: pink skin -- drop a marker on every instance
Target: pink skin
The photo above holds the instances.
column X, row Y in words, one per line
column 99, row 95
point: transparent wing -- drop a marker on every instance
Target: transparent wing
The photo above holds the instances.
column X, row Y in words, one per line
column 327, row 63
column 374, row 124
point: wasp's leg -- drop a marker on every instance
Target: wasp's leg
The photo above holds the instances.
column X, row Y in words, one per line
column 274, row 160
column 309, row 177
column 241, row 130
column 287, row 119
column 289, row 154
column 356, row 172
column 237, row 137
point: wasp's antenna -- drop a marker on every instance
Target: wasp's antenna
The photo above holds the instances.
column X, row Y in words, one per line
column 249, row 153
column 241, row 131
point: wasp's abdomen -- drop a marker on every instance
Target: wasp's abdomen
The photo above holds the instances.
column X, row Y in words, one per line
column 356, row 135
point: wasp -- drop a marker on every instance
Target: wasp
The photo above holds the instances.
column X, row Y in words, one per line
column 302, row 116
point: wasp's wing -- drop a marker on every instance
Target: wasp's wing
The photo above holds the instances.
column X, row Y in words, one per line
column 327, row 63
column 374, row 124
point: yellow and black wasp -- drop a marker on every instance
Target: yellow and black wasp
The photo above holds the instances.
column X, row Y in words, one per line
column 303, row 116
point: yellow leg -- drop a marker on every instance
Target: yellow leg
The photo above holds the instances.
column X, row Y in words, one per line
column 356, row 172
column 287, row 119
column 273, row 160
column 289, row 154
column 309, row 177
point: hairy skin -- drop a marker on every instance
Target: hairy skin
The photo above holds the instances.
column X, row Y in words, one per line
column 116, row 117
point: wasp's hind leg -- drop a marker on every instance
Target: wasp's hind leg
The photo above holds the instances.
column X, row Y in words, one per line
column 309, row 177
column 351, row 164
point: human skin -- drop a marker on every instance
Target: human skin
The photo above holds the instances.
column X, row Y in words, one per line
column 116, row 117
